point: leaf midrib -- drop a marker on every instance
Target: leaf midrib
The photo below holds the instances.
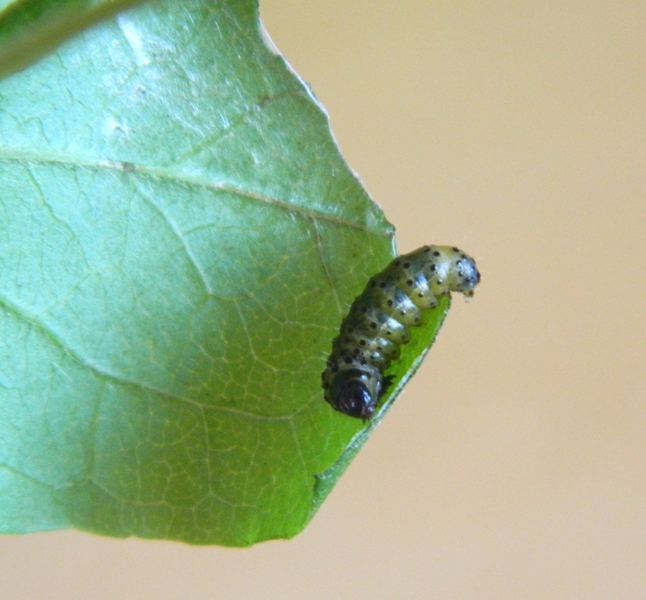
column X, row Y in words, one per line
column 188, row 180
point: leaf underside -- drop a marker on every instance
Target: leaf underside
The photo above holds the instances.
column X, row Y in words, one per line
column 179, row 239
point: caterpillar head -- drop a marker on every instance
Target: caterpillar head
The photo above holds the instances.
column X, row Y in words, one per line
column 355, row 392
column 462, row 273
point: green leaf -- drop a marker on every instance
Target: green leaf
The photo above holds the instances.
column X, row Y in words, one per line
column 30, row 28
column 179, row 239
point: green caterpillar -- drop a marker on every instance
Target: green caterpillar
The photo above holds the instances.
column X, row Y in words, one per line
column 379, row 318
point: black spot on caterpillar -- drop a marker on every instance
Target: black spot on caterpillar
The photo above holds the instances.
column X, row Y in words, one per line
column 379, row 318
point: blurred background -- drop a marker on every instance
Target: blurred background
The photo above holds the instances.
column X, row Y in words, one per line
column 514, row 464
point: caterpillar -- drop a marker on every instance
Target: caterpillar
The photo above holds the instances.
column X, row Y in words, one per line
column 377, row 323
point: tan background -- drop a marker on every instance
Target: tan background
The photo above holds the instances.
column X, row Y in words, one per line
column 516, row 130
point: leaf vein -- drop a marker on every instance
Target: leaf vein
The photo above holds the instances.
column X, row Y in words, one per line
column 127, row 168
column 118, row 378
